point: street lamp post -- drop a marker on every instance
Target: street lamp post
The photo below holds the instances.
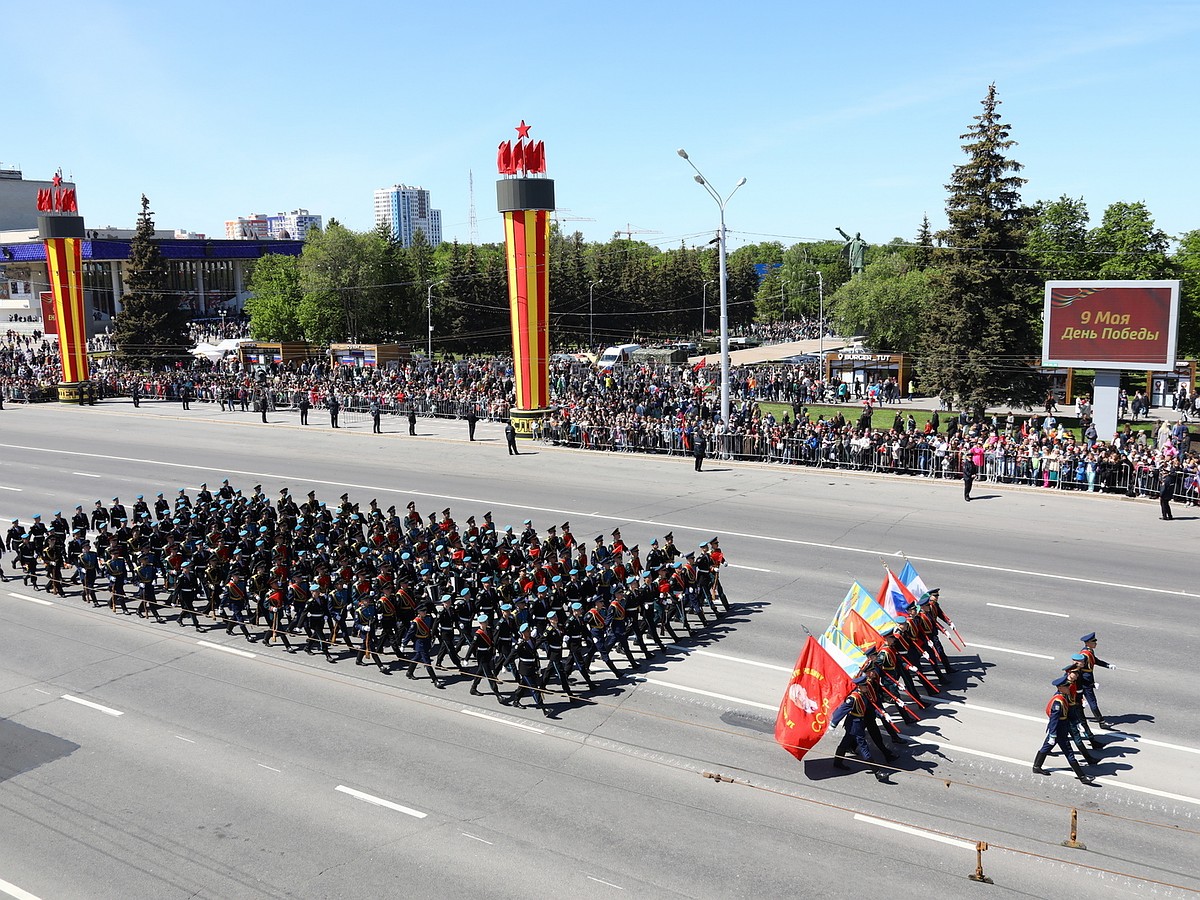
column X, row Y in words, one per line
column 704, row 306
column 429, row 309
column 591, row 319
column 821, row 316
column 722, row 280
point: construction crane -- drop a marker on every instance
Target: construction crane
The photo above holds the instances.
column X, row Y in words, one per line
column 629, row 231
column 558, row 220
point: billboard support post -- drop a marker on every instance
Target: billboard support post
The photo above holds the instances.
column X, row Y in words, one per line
column 1106, row 391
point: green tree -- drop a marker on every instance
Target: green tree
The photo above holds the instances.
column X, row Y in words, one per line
column 980, row 334
column 274, row 304
column 152, row 327
column 1129, row 244
column 888, row 304
column 1187, row 269
column 1058, row 243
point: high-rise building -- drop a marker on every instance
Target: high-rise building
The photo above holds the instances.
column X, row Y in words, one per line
column 292, row 226
column 406, row 210
column 246, row 228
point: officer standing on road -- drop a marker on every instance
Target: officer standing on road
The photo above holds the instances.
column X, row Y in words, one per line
column 334, row 408
column 472, row 418
column 968, row 471
column 510, row 436
column 304, row 406
column 375, row 412
column 1166, row 488
column 412, row 421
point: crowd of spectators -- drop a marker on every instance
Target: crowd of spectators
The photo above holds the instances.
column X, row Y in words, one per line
column 664, row 408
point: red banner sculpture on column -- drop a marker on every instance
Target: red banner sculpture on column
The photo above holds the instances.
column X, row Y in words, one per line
column 61, row 228
column 526, row 203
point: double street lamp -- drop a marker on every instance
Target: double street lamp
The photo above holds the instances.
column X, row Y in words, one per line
column 429, row 309
column 704, row 306
column 591, row 315
column 722, row 280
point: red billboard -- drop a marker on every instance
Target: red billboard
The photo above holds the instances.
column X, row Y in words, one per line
column 49, row 316
column 1110, row 324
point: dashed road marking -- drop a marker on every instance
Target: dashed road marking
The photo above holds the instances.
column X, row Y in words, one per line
column 692, row 690
column 522, row 725
column 919, row 832
column 1040, row 612
column 234, row 650
column 379, row 801
column 107, row 710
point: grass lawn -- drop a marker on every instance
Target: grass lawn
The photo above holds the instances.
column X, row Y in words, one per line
column 883, row 416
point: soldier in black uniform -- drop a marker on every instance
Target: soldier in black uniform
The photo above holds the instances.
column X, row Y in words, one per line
column 420, row 636
column 854, row 710
column 186, row 591
column 482, row 649
column 525, row 655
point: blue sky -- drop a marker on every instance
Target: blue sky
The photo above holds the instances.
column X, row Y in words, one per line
column 838, row 115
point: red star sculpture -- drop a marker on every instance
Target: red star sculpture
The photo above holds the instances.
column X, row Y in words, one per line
column 56, row 180
column 522, row 130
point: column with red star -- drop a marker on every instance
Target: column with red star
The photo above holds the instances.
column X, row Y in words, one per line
column 526, row 198
column 62, row 231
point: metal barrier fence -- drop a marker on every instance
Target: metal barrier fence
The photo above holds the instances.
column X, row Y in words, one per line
column 1064, row 474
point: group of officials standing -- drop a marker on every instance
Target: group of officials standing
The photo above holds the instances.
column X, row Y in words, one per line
column 500, row 605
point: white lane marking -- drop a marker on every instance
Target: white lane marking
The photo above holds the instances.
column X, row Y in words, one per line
column 1141, row 740
column 5, row 487
column 751, row 568
column 1113, row 782
column 1040, row 612
column 750, row 662
column 107, row 710
column 692, row 690
column 474, row 838
column 479, row 715
column 85, row 474
column 795, row 542
column 37, row 600
column 272, row 768
column 919, row 832
column 999, row 712
column 233, row 650
column 379, row 801
column 1126, row 625
column 1107, row 782
column 182, row 738
column 609, row 883
column 1006, row 650
column 40, row 691
column 13, row 891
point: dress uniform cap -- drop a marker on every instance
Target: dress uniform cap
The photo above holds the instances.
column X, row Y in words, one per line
column 861, row 679
column 566, row 526
column 1090, row 636
column 542, row 588
column 1078, row 657
column 631, row 579
column 486, row 579
column 481, row 618
column 185, row 564
column 556, row 579
column 527, row 522
column 654, row 543
column 670, row 535
column 524, row 628
column 553, row 614
column 445, row 564
column 647, row 574
column 425, row 570
column 1059, row 681
column 314, row 586
column 258, row 543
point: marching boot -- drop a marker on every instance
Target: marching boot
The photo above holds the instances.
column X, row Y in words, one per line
column 1078, row 770
column 881, row 777
column 1037, row 763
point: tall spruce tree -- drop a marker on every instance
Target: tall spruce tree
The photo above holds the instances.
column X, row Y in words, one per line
column 152, row 327
column 982, row 333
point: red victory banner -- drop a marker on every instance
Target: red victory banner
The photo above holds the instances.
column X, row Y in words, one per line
column 818, row 685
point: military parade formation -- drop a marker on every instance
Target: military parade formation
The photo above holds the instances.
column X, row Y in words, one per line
column 529, row 611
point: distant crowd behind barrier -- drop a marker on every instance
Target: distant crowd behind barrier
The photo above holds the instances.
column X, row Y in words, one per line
column 663, row 408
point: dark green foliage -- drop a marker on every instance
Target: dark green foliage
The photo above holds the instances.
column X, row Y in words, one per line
column 982, row 330
column 152, row 327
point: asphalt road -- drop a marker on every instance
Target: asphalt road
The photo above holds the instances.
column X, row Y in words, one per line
column 210, row 773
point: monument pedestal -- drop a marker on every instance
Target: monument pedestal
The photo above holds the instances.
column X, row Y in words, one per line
column 77, row 393
column 523, row 419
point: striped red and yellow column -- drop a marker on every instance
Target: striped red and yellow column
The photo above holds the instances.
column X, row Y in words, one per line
column 527, row 240
column 64, row 263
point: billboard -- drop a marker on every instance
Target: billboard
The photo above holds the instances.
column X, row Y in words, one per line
column 1110, row 324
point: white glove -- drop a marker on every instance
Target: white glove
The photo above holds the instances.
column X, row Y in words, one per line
column 1112, row 667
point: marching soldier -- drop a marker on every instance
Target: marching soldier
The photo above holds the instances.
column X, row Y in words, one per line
column 420, row 636
column 853, row 711
column 1087, row 678
column 1057, row 733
